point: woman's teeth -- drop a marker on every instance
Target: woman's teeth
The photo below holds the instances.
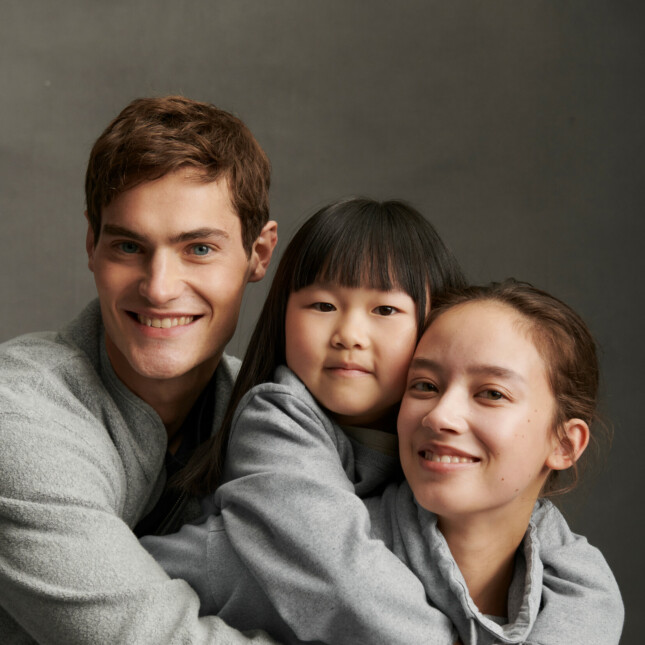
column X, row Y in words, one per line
column 447, row 459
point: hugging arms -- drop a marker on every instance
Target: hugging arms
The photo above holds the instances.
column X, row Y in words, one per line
column 296, row 463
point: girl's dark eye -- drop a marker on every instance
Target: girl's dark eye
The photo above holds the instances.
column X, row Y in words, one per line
column 325, row 307
column 385, row 310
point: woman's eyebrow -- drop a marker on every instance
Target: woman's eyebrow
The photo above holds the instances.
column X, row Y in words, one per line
column 421, row 363
column 478, row 369
column 497, row 371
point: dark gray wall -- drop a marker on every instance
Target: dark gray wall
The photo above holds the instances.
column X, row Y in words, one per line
column 515, row 126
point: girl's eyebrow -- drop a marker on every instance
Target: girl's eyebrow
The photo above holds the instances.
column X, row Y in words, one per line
column 479, row 369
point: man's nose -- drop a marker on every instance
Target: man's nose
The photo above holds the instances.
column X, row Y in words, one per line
column 162, row 281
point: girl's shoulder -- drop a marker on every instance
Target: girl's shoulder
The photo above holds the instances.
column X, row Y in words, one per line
column 284, row 413
column 284, row 383
column 285, row 395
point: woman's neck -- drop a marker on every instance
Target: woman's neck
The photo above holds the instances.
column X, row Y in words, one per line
column 484, row 550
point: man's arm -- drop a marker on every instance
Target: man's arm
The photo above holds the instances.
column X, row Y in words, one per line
column 291, row 514
column 71, row 571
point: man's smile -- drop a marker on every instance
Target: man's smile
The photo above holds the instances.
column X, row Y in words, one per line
column 165, row 322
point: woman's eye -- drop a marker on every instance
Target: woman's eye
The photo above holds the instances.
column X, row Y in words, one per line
column 385, row 310
column 201, row 249
column 491, row 395
column 128, row 247
column 325, row 307
column 424, row 386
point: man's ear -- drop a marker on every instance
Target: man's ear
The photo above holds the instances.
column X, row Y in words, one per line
column 89, row 244
column 263, row 250
column 578, row 434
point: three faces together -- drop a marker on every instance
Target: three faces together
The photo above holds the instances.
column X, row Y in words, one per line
column 170, row 270
column 492, row 389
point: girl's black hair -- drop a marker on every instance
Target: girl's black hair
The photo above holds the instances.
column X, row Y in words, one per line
column 354, row 242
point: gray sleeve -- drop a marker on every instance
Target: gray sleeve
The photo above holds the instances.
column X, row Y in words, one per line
column 72, row 571
column 581, row 602
column 291, row 514
column 202, row 555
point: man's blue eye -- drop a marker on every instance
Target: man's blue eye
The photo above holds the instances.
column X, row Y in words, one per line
column 129, row 247
column 201, row 249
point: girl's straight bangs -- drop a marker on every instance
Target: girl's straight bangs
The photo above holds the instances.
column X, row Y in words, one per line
column 370, row 248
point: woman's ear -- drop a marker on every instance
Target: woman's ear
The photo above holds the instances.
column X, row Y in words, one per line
column 577, row 433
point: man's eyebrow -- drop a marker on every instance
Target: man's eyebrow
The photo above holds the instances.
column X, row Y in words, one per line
column 185, row 236
column 201, row 234
column 113, row 229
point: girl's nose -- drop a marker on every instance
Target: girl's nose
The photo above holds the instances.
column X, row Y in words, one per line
column 350, row 333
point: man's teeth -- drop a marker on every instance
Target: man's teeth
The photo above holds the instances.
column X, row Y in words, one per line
column 165, row 323
column 447, row 459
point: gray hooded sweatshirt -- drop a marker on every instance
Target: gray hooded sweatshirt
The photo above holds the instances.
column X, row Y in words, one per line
column 288, row 545
column 81, row 461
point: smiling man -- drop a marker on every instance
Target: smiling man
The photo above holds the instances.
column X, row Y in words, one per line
column 96, row 418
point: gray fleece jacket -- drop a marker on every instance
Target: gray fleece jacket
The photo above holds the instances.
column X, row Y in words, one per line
column 81, row 461
column 297, row 552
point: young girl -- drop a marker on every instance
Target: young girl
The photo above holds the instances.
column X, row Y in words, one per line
column 308, row 433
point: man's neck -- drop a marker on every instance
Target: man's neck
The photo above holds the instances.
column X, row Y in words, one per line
column 484, row 549
column 171, row 398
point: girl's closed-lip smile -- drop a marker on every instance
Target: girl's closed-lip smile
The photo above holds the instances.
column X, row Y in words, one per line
column 347, row 369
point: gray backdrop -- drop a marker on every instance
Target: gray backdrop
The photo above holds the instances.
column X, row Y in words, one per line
column 515, row 126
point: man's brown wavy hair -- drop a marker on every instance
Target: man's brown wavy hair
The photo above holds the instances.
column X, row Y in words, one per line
column 152, row 137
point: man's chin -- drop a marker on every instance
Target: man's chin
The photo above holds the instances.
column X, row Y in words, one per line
column 162, row 370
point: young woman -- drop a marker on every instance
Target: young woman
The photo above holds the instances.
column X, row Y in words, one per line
column 310, row 431
column 499, row 402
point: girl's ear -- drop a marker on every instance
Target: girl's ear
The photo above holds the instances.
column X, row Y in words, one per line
column 577, row 433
